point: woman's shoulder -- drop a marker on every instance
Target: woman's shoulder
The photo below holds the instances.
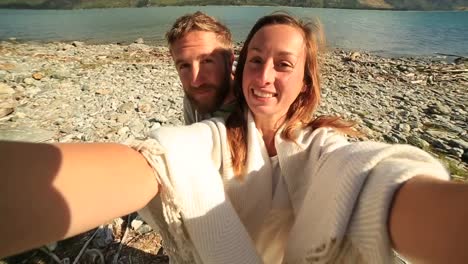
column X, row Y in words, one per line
column 201, row 135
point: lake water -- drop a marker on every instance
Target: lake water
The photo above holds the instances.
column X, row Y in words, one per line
column 384, row 32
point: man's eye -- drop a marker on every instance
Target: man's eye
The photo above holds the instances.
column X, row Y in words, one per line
column 207, row 60
column 183, row 66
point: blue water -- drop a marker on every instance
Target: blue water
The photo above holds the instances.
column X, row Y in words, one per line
column 395, row 33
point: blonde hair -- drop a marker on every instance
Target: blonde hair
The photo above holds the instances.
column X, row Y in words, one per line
column 300, row 113
column 199, row 21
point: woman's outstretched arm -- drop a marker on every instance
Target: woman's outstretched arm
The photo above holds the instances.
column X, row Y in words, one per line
column 429, row 221
column 50, row 192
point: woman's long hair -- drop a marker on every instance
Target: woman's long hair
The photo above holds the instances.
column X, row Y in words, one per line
column 301, row 112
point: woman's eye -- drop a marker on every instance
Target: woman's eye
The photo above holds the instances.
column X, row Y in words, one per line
column 255, row 60
column 285, row 66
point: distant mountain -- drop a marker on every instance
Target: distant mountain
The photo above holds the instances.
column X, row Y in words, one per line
column 354, row 4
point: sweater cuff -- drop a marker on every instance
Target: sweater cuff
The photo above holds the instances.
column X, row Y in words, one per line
column 369, row 224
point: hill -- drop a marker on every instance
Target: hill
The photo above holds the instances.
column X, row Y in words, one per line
column 353, row 4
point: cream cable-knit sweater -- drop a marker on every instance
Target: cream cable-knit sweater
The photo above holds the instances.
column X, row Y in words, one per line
column 340, row 194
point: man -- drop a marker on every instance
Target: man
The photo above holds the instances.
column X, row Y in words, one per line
column 201, row 48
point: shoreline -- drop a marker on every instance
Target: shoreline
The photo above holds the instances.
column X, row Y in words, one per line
column 78, row 92
column 436, row 56
column 365, row 8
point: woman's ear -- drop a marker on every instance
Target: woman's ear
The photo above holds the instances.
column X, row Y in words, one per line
column 304, row 88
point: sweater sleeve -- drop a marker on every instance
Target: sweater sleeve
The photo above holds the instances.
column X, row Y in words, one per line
column 370, row 174
column 368, row 229
column 344, row 210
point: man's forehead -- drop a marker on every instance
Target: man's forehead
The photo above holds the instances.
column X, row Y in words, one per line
column 197, row 46
column 203, row 40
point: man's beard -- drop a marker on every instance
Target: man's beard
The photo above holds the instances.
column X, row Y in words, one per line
column 214, row 103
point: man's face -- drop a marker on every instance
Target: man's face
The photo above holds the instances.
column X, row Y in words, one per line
column 204, row 68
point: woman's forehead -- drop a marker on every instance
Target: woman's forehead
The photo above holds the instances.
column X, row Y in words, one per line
column 284, row 39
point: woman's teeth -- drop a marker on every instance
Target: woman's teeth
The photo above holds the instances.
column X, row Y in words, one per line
column 263, row 94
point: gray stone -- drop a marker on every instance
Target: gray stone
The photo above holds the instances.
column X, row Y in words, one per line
column 126, row 107
column 418, row 142
column 456, row 152
column 6, row 111
column 104, row 236
column 143, row 229
column 405, row 128
column 438, row 108
column 77, row 43
column 28, row 81
column 26, row 134
column 139, row 41
column 5, row 89
column 458, row 143
column 464, row 157
column 123, row 131
column 136, row 223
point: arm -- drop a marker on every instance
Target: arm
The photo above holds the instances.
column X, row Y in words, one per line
column 428, row 221
column 50, row 192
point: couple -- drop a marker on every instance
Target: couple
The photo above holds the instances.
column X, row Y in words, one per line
column 270, row 184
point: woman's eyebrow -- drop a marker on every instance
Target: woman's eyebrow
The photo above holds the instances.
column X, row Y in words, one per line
column 282, row 53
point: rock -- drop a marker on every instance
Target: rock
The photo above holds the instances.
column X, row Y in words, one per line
column 139, row 41
column 28, row 81
column 456, row 152
column 144, row 108
column 464, row 157
column 123, row 130
column 118, row 221
column 159, row 118
column 123, row 118
column 5, row 112
column 458, row 143
column 38, row 76
column 437, row 143
column 26, row 134
column 103, row 91
column 104, row 237
column 136, row 223
column 461, row 60
column 7, row 66
column 52, row 246
column 126, row 107
column 67, row 47
column 418, row 142
column 438, row 108
column 77, row 43
column 405, row 128
column 5, row 89
column 354, row 56
column 143, row 229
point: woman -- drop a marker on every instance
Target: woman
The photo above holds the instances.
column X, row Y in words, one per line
column 273, row 185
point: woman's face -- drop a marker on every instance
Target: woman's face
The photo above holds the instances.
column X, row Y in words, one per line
column 274, row 71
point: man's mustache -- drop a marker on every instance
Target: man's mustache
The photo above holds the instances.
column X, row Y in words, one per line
column 202, row 89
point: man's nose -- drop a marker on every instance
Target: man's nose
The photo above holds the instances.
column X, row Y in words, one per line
column 196, row 76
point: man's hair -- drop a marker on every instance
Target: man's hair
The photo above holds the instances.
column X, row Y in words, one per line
column 199, row 21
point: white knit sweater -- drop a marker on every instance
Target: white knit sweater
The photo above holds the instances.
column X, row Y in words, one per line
column 339, row 194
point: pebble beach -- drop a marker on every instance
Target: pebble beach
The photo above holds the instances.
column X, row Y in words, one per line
column 78, row 92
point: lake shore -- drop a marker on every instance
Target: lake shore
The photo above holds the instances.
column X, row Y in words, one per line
column 77, row 92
